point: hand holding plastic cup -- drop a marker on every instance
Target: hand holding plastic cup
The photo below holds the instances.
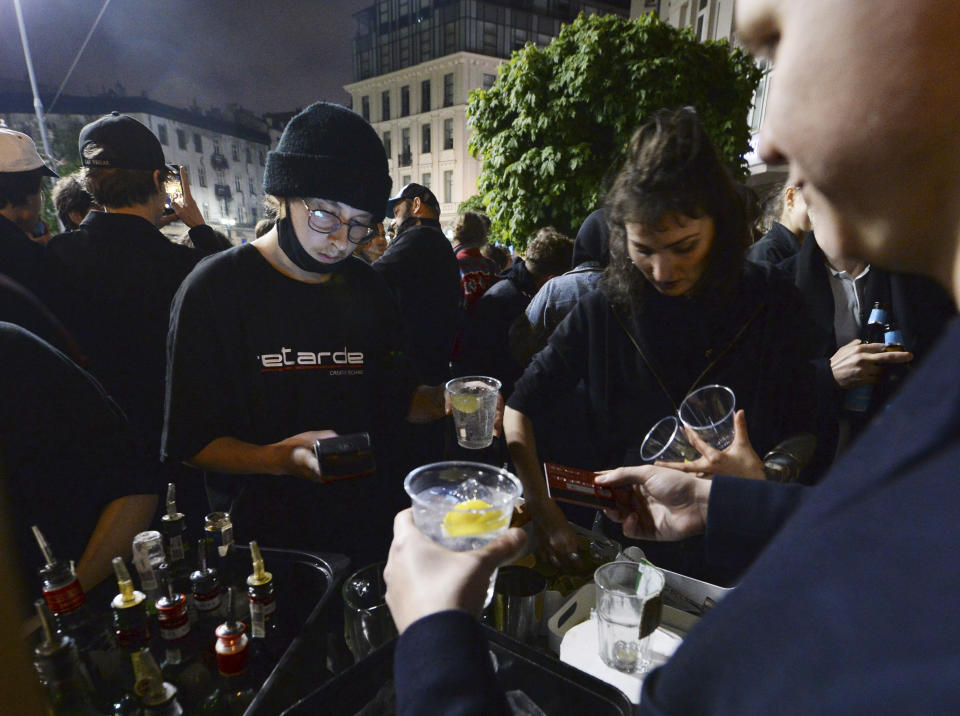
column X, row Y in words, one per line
column 474, row 402
column 628, row 612
column 667, row 442
column 709, row 411
column 463, row 505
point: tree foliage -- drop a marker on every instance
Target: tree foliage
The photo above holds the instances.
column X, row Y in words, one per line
column 551, row 129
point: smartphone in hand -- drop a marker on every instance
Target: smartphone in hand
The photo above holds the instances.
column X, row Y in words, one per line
column 173, row 188
column 345, row 457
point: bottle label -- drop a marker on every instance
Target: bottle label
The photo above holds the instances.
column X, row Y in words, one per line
column 877, row 315
column 259, row 611
column 857, row 400
column 176, row 548
column 148, row 578
column 65, row 599
column 174, row 623
column 893, row 338
column 207, row 602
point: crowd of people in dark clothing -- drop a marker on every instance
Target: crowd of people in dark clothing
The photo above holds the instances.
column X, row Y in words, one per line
column 132, row 361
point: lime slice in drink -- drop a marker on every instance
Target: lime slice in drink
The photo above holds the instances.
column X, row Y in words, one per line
column 462, row 521
column 465, row 403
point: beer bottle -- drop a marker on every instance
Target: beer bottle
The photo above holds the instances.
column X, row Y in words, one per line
column 235, row 690
column 895, row 373
column 64, row 679
column 859, row 398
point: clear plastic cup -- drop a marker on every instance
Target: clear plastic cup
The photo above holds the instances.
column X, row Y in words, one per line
column 628, row 612
column 473, row 399
column 463, row 505
column 667, row 442
column 709, row 411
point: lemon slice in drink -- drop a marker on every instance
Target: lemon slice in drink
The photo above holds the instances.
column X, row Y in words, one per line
column 465, row 403
column 462, row 521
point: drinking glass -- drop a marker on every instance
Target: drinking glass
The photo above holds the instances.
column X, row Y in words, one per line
column 628, row 612
column 666, row 441
column 709, row 411
column 463, row 505
column 474, row 402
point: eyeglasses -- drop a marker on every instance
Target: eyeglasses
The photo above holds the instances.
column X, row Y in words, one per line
column 326, row 222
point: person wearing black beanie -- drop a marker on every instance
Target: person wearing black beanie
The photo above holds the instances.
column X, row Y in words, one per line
column 287, row 340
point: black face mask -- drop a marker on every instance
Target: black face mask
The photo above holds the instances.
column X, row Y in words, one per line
column 291, row 246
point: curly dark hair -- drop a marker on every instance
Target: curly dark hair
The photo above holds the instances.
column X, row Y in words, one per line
column 470, row 230
column 673, row 168
column 69, row 196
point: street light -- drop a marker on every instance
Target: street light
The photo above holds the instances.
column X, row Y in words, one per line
column 37, row 104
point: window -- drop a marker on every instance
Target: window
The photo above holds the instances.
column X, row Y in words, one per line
column 235, row 152
column 365, row 107
column 216, row 145
column 405, row 147
column 448, row 90
column 387, row 144
column 206, row 208
column 162, row 133
column 248, row 154
column 250, row 185
column 425, row 139
column 425, row 180
column 202, row 180
column 448, row 134
column 404, row 180
column 237, row 184
column 405, row 101
column 703, row 11
column 447, row 187
column 261, row 157
column 488, row 80
column 425, row 96
column 385, row 106
column 181, row 139
column 197, row 143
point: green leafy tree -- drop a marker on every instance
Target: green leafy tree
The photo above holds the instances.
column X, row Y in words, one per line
column 551, row 129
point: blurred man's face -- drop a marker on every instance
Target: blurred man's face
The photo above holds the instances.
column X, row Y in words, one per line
column 864, row 107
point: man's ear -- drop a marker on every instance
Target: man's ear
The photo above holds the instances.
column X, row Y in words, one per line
column 415, row 206
column 158, row 181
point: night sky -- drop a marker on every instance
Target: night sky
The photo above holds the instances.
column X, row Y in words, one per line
column 265, row 56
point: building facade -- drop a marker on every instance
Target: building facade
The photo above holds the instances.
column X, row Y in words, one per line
column 223, row 157
column 415, row 63
column 714, row 20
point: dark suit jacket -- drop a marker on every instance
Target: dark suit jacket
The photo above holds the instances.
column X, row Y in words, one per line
column 919, row 307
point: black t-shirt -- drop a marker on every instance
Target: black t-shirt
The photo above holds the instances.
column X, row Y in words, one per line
column 258, row 356
column 65, row 445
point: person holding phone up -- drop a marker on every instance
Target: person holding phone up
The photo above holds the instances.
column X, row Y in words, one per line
column 290, row 339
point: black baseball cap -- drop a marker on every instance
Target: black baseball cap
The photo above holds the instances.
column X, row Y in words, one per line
column 117, row 141
column 413, row 191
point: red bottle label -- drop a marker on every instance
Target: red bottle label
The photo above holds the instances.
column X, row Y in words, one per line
column 66, row 599
column 235, row 663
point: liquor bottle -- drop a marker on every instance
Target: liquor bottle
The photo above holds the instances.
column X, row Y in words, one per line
column 64, row 679
column 235, row 690
column 173, row 526
column 156, row 696
column 218, row 530
column 67, row 601
column 181, row 645
column 132, row 629
column 148, row 555
column 205, row 586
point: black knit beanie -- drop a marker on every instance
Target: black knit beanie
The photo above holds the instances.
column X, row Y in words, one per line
column 330, row 152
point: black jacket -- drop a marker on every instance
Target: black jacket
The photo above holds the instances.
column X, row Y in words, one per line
column 118, row 275
column 920, row 308
column 777, row 245
column 486, row 344
column 422, row 272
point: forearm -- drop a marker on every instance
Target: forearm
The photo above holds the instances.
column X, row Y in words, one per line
column 427, row 404
column 522, row 444
column 233, row 456
column 113, row 535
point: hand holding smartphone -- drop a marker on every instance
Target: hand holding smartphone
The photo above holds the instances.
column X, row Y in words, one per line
column 173, row 188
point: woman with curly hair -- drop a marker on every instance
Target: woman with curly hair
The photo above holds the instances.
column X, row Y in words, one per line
column 678, row 308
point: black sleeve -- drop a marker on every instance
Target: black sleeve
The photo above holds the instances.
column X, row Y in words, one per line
column 744, row 515
column 442, row 666
column 194, row 407
column 398, row 377
column 557, row 369
column 205, row 239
